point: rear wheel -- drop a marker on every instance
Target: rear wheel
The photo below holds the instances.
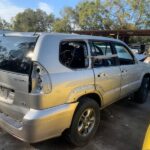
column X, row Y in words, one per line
column 85, row 122
column 142, row 94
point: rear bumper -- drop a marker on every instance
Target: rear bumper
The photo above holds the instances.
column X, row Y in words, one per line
column 39, row 125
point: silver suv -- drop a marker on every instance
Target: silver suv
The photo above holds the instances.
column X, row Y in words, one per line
column 53, row 83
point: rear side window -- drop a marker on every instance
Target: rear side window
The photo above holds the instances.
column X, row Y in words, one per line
column 102, row 54
column 73, row 54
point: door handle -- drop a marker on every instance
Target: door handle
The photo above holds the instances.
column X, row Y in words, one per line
column 124, row 71
column 102, row 75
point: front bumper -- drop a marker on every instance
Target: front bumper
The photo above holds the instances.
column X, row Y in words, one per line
column 39, row 125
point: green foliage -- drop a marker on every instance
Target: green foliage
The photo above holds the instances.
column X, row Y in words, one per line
column 129, row 14
column 33, row 21
column 4, row 25
column 109, row 14
column 140, row 39
column 61, row 25
column 87, row 15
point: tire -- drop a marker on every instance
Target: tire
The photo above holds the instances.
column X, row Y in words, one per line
column 85, row 122
column 142, row 94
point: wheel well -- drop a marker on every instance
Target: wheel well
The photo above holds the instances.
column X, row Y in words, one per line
column 94, row 96
column 147, row 75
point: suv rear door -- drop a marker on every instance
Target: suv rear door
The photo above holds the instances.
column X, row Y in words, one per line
column 107, row 72
column 15, row 69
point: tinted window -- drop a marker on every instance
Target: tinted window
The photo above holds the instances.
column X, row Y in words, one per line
column 15, row 53
column 104, row 52
column 73, row 54
column 124, row 55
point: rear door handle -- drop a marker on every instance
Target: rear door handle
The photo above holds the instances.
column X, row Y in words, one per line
column 102, row 75
column 124, row 71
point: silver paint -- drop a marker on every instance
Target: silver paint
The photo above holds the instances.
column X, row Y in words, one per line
column 34, row 117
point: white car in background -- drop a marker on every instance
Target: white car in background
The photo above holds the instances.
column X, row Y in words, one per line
column 135, row 51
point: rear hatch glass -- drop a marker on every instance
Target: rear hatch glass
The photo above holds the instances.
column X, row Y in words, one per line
column 16, row 52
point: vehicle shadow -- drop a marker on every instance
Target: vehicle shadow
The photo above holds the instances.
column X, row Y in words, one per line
column 115, row 120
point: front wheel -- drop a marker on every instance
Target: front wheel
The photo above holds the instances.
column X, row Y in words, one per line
column 85, row 122
column 142, row 94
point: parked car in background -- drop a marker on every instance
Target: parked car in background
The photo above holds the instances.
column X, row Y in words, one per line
column 140, row 48
column 135, row 51
column 135, row 48
column 53, row 84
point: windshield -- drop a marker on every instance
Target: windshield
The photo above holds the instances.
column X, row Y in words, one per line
column 15, row 53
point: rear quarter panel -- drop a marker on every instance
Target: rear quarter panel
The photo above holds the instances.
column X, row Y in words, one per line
column 67, row 84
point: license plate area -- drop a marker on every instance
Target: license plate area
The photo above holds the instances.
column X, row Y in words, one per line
column 6, row 95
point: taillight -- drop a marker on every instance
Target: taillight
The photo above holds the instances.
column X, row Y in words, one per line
column 40, row 79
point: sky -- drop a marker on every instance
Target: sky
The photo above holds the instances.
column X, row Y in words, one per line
column 9, row 8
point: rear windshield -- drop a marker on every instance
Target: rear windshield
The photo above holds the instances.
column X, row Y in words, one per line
column 15, row 53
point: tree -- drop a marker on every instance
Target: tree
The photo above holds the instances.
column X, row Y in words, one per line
column 108, row 14
column 61, row 25
column 33, row 21
column 147, row 14
column 89, row 15
column 71, row 15
column 128, row 14
column 4, row 25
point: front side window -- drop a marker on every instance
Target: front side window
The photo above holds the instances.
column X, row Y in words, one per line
column 124, row 55
column 73, row 54
column 102, row 54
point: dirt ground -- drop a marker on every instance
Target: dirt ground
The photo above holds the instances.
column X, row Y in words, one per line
column 122, row 127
